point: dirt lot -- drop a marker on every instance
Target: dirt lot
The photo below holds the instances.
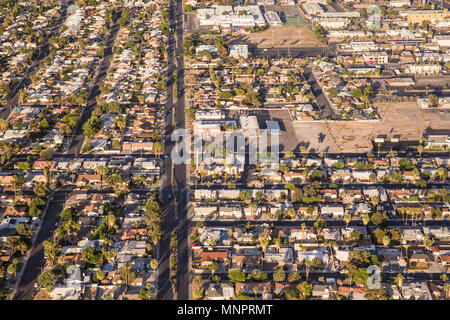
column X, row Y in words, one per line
column 404, row 119
column 314, row 137
column 282, row 36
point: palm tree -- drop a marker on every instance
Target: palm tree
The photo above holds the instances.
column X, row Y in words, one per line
column 308, row 264
column 12, row 268
column 154, row 264
column 100, row 275
column 420, row 150
column 126, row 276
column 446, row 288
column 365, row 219
column 14, row 244
column 264, row 243
column 278, row 243
column 379, row 146
column 110, row 221
column 398, row 280
column 146, row 292
column 213, row 268
column 331, row 244
column 444, row 277
column 375, row 201
column 71, row 226
column 386, row 240
column 51, row 252
column 102, row 171
column 22, row 96
column 427, row 242
column 303, row 249
column 198, row 281
column 158, row 148
column 3, row 125
column 304, row 289
column 46, row 172
column 253, row 207
column 347, row 218
column 255, row 291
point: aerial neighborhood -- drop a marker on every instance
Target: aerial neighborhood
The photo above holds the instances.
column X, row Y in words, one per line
column 224, row 150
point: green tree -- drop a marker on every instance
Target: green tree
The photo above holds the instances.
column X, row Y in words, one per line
column 24, row 166
column 126, row 275
column 198, row 293
column 100, row 275
column 102, row 171
column 91, row 255
column 279, row 275
column 146, row 292
column 378, row 218
column 52, row 252
column 14, row 244
column 304, row 290
column 242, row 296
column 347, row 218
column 398, row 280
column 12, row 268
column 24, row 230
column 236, row 275
column 213, row 267
column 41, row 190
column 291, row 294
column 365, row 219
column 446, row 288
column 45, row 280
column 3, row 125
column 386, row 240
column 360, row 276
column 433, row 100
column 46, row 154
column 154, row 264
column 258, row 275
column 294, row 276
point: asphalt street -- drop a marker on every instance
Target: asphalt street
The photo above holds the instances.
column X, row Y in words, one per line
column 36, row 261
column 78, row 138
column 173, row 175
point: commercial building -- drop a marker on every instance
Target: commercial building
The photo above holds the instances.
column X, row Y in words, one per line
column 363, row 46
column 238, row 51
column 249, row 125
column 380, row 57
column 341, row 14
column 419, row 16
column 443, row 40
column 273, row 127
column 231, row 17
column 272, row 18
column 312, row 8
column 399, row 3
column 332, row 23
